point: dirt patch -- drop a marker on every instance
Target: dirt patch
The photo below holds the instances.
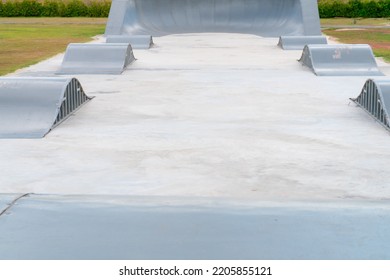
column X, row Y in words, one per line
column 385, row 46
column 350, row 29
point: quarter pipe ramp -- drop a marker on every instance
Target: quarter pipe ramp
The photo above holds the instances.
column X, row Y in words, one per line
column 340, row 60
column 31, row 107
column 96, row 59
column 375, row 100
column 267, row 18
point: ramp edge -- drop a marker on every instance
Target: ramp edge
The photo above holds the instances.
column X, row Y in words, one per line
column 372, row 100
column 340, row 60
column 100, row 58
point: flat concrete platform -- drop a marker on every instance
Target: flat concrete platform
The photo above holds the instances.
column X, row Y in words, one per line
column 215, row 117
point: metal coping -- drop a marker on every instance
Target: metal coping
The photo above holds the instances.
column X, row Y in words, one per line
column 375, row 100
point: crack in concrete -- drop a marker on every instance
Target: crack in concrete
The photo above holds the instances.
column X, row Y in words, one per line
column 13, row 203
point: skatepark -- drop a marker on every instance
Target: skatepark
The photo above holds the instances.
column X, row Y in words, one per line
column 211, row 143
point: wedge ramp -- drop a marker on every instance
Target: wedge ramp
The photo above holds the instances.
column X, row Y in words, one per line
column 136, row 42
column 375, row 100
column 96, row 59
column 105, row 227
column 268, row 18
column 31, row 107
column 340, row 60
column 299, row 42
column 7, row 200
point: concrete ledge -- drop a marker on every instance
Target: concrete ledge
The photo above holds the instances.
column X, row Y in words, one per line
column 96, row 59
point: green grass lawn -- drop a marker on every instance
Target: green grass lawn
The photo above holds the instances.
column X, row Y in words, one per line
column 344, row 1
column 25, row 41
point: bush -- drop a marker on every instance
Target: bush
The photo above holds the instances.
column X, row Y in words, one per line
column 9, row 9
column 31, row 8
column 75, row 8
column 54, row 8
column 96, row 8
column 99, row 9
column 354, row 8
column 384, row 8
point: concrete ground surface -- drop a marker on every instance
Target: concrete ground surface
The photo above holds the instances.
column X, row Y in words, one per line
column 224, row 118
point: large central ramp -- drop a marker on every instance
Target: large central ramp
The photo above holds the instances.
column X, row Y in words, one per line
column 268, row 18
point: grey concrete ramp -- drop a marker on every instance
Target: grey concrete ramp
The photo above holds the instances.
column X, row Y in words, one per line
column 6, row 201
column 96, row 59
column 112, row 227
column 340, row 60
column 375, row 100
column 269, row 18
column 299, row 42
column 136, row 42
column 31, row 107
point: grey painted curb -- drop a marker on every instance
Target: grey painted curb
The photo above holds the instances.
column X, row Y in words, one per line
column 31, row 107
column 96, row 59
column 340, row 60
column 268, row 18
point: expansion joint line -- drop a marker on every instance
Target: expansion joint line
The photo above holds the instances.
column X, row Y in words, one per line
column 13, row 203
